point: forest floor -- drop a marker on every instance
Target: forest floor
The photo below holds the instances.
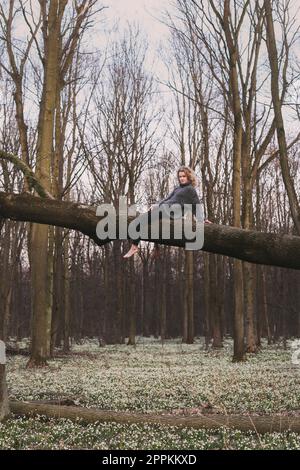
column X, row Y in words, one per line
column 152, row 377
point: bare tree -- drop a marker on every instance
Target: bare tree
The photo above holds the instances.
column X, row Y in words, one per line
column 54, row 34
column 122, row 141
column 216, row 32
column 282, row 143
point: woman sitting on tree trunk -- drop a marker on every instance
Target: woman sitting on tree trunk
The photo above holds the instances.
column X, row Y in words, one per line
column 185, row 193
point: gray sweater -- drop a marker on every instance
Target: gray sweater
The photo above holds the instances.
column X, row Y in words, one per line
column 182, row 194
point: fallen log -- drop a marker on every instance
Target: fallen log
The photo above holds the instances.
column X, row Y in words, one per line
column 260, row 424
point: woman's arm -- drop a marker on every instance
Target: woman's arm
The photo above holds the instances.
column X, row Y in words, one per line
column 194, row 201
column 167, row 198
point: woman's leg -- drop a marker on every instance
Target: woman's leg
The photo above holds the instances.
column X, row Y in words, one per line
column 146, row 217
column 133, row 249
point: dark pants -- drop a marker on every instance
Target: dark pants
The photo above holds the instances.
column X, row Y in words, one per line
column 152, row 216
column 147, row 218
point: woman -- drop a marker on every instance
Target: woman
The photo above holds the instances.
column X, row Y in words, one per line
column 185, row 193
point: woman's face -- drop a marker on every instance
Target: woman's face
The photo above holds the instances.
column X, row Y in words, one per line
column 182, row 177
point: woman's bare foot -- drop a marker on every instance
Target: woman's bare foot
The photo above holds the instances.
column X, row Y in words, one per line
column 133, row 249
column 207, row 221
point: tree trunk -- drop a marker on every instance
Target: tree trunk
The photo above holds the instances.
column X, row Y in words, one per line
column 248, row 269
column 58, row 289
column 157, row 301
column 145, row 300
column 67, row 296
column 283, row 151
column 206, row 293
column 238, row 354
column 213, row 303
column 4, row 403
column 221, row 296
column 42, row 237
column 163, row 295
column 41, row 259
column 259, row 424
column 132, row 305
column 5, row 281
column 106, row 286
column 264, row 304
column 251, row 339
column 118, row 276
column 189, row 298
column 238, row 350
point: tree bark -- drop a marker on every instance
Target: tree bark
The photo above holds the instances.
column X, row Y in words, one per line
column 188, row 306
column 58, row 292
column 248, row 245
column 132, row 305
column 283, row 151
column 249, row 295
column 4, row 403
column 42, row 237
column 238, row 353
column 163, row 296
column 41, row 282
column 214, row 291
column 67, row 296
column 259, row 424
column 206, row 298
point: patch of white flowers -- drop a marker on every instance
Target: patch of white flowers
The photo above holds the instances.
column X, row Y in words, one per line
column 40, row 433
column 154, row 377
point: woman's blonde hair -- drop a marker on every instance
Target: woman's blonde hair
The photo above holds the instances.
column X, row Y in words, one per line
column 189, row 173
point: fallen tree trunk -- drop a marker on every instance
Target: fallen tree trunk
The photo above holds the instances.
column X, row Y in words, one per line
column 260, row 424
column 248, row 245
column 4, row 403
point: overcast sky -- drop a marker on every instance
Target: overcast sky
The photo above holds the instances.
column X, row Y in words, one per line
column 147, row 13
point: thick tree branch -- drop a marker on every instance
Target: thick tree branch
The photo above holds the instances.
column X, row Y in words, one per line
column 28, row 173
column 248, row 245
